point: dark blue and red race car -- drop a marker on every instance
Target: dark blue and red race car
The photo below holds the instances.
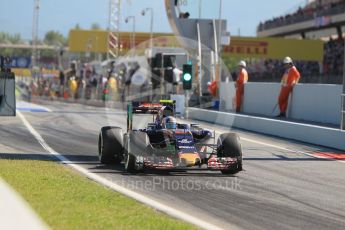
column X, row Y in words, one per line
column 166, row 144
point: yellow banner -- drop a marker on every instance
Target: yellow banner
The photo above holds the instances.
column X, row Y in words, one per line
column 27, row 72
column 21, row 72
column 97, row 40
column 240, row 47
column 50, row 72
column 88, row 41
column 275, row 48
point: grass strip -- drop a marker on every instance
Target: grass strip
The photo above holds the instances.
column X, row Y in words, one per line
column 66, row 200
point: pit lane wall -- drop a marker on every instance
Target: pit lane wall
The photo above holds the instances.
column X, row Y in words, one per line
column 318, row 135
column 317, row 103
column 310, row 102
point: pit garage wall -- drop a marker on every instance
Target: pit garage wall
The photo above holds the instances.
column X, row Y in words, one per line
column 310, row 102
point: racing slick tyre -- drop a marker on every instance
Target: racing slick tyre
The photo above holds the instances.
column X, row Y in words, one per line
column 110, row 145
column 130, row 164
column 138, row 143
column 229, row 146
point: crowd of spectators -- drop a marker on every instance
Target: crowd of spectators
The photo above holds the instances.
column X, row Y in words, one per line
column 309, row 12
column 334, row 57
column 330, row 71
column 85, row 82
column 272, row 70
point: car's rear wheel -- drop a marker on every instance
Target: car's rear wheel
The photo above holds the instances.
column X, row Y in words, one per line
column 110, row 145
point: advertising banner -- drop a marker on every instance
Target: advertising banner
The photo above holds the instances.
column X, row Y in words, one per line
column 240, row 47
column 20, row 62
column 275, row 48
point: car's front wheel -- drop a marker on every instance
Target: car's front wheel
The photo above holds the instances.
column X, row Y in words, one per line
column 234, row 170
column 130, row 163
column 229, row 146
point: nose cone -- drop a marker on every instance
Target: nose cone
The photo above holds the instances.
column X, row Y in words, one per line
column 190, row 159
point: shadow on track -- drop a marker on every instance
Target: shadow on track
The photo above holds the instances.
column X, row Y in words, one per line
column 282, row 158
column 27, row 156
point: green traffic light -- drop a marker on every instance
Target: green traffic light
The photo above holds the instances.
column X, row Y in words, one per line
column 187, row 77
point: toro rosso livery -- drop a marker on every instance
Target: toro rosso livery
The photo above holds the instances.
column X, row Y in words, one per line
column 166, row 144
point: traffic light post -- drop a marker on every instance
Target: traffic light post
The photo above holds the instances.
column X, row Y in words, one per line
column 187, row 80
column 162, row 64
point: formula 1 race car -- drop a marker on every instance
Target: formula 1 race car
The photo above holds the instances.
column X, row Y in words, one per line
column 168, row 145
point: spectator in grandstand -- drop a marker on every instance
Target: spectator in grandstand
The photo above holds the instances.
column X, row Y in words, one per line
column 290, row 79
column 334, row 56
column 316, row 9
column 241, row 80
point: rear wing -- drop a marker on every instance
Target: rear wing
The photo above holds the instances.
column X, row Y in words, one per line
column 148, row 108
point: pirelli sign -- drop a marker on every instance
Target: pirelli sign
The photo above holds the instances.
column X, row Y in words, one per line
column 247, row 48
column 275, row 48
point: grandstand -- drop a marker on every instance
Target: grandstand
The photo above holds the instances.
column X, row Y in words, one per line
column 330, row 71
column 318, row 19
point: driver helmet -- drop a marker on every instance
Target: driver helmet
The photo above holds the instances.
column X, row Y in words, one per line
column 169, row 123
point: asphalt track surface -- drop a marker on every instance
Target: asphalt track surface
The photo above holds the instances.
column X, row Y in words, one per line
column 281, row 187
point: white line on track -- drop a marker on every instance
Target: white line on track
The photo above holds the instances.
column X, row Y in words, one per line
column 139, row 197
column 26, row 106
